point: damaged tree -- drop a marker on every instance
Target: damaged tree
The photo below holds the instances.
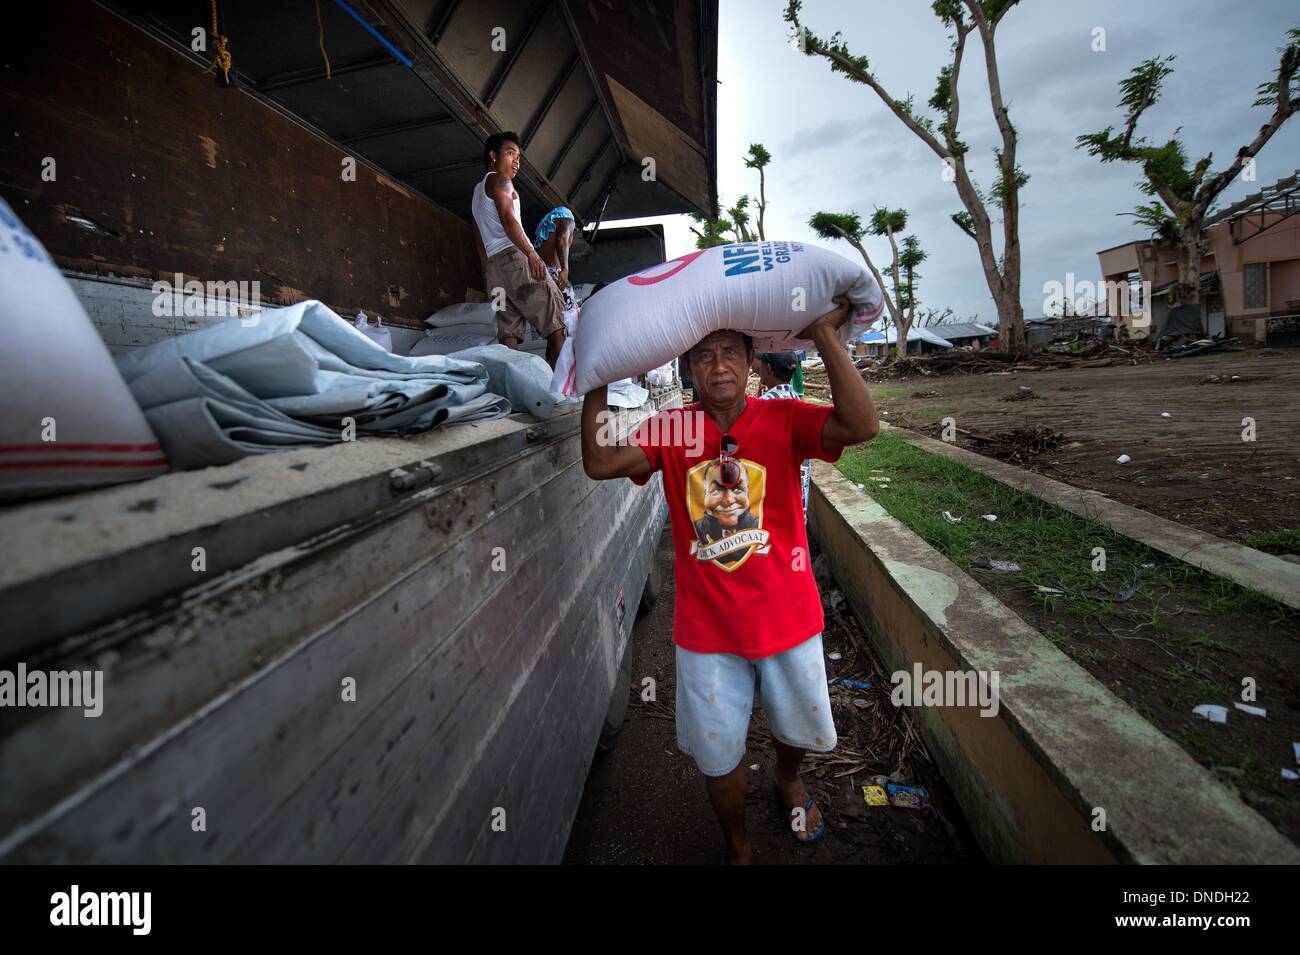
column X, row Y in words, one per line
column 758, row 158
column 1187, row 194
column 1001, row 273
column 901, row 305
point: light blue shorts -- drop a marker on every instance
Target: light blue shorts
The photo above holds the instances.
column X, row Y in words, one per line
column 715, row 694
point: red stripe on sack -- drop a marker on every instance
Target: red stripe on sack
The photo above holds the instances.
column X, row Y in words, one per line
column 88, row 463
column 55, row 446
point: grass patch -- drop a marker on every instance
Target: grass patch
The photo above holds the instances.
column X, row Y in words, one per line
column 1285, row 541
column 1054, row 548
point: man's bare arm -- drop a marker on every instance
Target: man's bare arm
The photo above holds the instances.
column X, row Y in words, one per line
column 602, row 459
column 563, row 239
column 854, row 419
column 514, row 229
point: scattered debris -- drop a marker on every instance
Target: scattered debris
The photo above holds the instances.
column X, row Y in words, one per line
column 1023, row 393
column 836, row 656
column 1019, row 446
column 1289, row 773
column 925, row 394
column 1051, row 590
column 908, row 797
column 948, row 516
column 1165, row 414
column 852, row 684
column 1123, row 459
column 1212, row 712
column 991, row 518
column 1005, row 566
column 1084, row 353
column 875, row 795
column 1203, row 346
column 1252, row 710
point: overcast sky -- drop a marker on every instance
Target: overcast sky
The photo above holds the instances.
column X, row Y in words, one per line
column 836, row 147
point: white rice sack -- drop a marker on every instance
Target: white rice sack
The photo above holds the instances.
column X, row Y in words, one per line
column 436, row 343
column 69, row 419
column 769, row 290
column 479, row 315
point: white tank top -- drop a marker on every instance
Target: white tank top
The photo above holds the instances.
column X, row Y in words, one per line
column 489, row 223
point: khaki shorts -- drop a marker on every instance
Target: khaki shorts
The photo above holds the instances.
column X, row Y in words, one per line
column 538, row 302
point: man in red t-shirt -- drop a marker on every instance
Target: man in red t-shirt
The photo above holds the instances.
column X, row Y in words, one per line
column 747, row 609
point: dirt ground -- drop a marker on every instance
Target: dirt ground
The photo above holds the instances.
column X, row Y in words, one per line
column 1192, row 467
column 645, row 802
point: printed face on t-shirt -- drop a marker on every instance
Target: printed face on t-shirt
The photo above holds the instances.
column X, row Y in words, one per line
column 727, row 504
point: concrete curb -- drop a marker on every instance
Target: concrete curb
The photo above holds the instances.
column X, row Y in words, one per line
column 1253, row 569
column 1060, row 747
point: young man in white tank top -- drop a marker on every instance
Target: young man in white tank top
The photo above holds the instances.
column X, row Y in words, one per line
column 518, row 283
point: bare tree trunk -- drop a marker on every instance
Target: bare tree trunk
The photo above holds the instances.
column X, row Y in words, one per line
column 1002, row 278
column 1189, row 266
column 762, row 203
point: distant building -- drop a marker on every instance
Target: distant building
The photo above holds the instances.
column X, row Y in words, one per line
column 964, row 334
column 1250, row 277
column 1040, row 331
column 919, row 341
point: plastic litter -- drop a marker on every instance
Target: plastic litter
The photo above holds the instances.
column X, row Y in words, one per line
column 836, row 656
column 876, row 796
column 1212, row 712
column 1123, row 459
column 845, row 681
column 1289, row 773
column 1252, row 710
column 376, row 333
column 951, row 518
column 908, row 797
column 1005, row 566
column 991, row 518
column 1165, row 414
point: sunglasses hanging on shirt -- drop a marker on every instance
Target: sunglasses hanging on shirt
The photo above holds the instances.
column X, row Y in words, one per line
column 729, row 469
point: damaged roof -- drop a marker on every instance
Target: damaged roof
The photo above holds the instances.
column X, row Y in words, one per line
column 414, row 88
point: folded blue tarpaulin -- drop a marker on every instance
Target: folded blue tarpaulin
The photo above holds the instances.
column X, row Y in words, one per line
column 295, row 376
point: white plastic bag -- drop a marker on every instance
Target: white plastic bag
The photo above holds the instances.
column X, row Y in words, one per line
column 769, row 290
column 69, row 419
column 562, row 380
column 661, row 377
column 376, row 333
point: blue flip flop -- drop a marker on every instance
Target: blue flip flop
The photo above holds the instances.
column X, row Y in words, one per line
column 821, row 829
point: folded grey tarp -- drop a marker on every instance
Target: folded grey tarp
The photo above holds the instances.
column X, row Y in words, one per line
column 293, row 376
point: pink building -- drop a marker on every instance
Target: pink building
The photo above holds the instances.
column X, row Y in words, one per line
column 1250, row 276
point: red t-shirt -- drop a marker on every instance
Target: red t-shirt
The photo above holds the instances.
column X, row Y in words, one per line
column 744, row 579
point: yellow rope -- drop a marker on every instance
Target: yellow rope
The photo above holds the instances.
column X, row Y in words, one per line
column 221, row 58
column 321, row 27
